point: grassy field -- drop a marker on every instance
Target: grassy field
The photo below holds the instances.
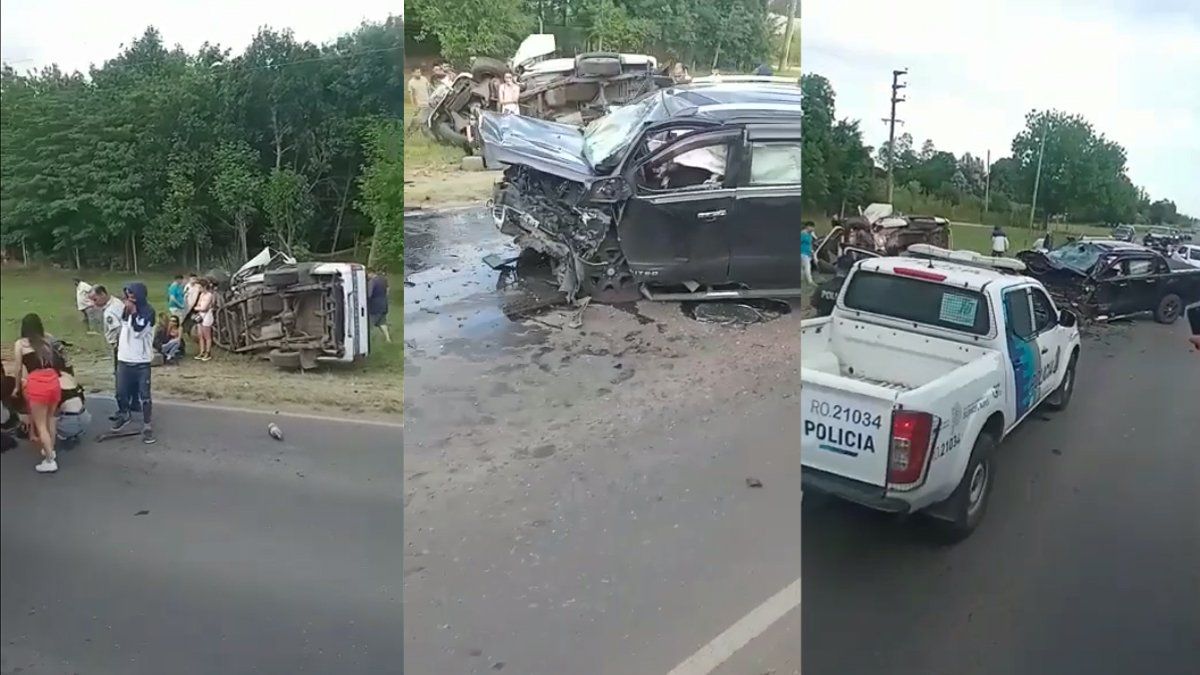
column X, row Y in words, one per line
column 372, row 387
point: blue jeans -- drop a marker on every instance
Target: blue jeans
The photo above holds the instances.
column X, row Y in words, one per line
column 172, row 349
column 133, row 389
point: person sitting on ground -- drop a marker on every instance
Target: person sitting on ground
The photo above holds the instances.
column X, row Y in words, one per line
column 37, row 381
column 72, row 419
column 168, row 339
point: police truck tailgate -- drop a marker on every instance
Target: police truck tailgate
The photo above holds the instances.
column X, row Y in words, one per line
column 846, row 427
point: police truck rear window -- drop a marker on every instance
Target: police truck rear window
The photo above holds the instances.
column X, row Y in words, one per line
column 919, row 301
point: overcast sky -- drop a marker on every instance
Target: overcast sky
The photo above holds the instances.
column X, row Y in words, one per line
column 75, row 33
column 1131, row 67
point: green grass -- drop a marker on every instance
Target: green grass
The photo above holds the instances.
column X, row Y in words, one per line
column 422, row 153
column 371, row 386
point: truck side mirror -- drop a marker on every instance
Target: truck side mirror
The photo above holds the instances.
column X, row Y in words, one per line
column 1067, row 318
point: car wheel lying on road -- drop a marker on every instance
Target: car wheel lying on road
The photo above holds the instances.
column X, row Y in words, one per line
column 1169, row 309
column 968, row 502
column 1061, row 397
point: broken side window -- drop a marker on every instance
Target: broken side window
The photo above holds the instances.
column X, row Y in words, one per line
column 775, row 163
column 1141, row 268
column 700, row 167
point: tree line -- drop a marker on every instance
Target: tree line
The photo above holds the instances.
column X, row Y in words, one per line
column 1083, row 177
column 160, row 156
column 729, row 34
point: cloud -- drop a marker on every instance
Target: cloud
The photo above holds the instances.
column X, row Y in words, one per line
column 75, row 33
column 976, row 68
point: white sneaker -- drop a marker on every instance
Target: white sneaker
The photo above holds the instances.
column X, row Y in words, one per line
column 47, row 466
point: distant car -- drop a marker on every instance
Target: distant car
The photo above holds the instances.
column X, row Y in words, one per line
column 1124, row 233
column 694, row 189
column 1161, row 238
column 1189, row 254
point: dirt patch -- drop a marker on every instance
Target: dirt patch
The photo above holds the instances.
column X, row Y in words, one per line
column 440, row 187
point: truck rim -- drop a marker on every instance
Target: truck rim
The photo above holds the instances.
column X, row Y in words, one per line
column 978, row 485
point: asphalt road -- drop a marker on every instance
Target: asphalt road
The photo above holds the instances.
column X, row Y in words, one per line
column 576, row 498
column 218, row 550
column 1088, row 560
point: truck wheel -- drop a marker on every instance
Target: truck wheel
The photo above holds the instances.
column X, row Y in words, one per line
column 285, row 359
column 966, row 506
column 1061, row 397
column 609, row 279
column 484, row 66
column 1168, row 309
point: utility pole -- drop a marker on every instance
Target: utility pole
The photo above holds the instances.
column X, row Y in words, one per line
column 1037, row 176
column 787, row 34
column 896, row 87
column 987, row 182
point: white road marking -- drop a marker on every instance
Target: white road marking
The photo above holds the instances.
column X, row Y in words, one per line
column 725, row 645
column 273, row 413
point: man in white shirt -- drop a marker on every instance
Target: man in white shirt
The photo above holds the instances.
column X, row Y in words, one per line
column 999, row 242
column 135, row 350
column 83, row 303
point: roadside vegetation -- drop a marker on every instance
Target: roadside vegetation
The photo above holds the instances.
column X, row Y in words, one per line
column 160, row 161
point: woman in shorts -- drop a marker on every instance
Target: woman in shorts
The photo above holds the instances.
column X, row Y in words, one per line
column 205, row 316
column 38, row 382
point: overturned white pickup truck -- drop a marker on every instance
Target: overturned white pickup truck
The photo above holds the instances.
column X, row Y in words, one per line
column 928, row 361
column 294, row 314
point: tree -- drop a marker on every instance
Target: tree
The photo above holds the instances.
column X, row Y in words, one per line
column 383, row 192
column 1163, row 212
column 469, row 28
column 238, row 189
column 288, row 208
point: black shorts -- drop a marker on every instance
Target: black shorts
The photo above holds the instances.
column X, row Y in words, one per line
column 378, row 320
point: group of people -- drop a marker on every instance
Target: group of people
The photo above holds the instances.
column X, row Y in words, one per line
column 42, row 393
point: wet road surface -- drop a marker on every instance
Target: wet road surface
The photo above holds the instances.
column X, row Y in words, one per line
column 218, row 550
column 576, row 498
column 1088, row 560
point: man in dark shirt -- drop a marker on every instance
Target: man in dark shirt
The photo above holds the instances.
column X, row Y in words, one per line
column 377, row 302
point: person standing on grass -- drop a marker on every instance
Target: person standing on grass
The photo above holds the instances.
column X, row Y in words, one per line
column 176, row 297
column 205, row 316
column 83, row 302
column 807, row 239
column 377, row 302
column 135, row 350
column 191, row 293
column 37, row 380
column 509, row 95
column 419, row 90
column 999, row 242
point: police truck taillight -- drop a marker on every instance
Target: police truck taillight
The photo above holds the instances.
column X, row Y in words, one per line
column 911, row 434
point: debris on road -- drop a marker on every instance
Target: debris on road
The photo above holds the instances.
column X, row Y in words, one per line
column 753, row 482
column 275, row 431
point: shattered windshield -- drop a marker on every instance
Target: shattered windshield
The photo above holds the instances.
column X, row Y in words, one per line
column 605, row 138
column 1080, row 256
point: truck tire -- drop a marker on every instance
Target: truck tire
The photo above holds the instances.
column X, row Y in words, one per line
column 967, row 505
column 598, row 64
column 1169, row 309
column 279, row 278
column 1060, row 398
column 446, row 134
column 484, row 66
column 285, row 359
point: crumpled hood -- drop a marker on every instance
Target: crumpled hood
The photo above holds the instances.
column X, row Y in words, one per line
column 553, row 148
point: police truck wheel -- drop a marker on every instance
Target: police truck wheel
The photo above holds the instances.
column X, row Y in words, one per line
column 968, row 503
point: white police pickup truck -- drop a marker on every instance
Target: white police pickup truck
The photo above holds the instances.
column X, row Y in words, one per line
column 927, row 362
